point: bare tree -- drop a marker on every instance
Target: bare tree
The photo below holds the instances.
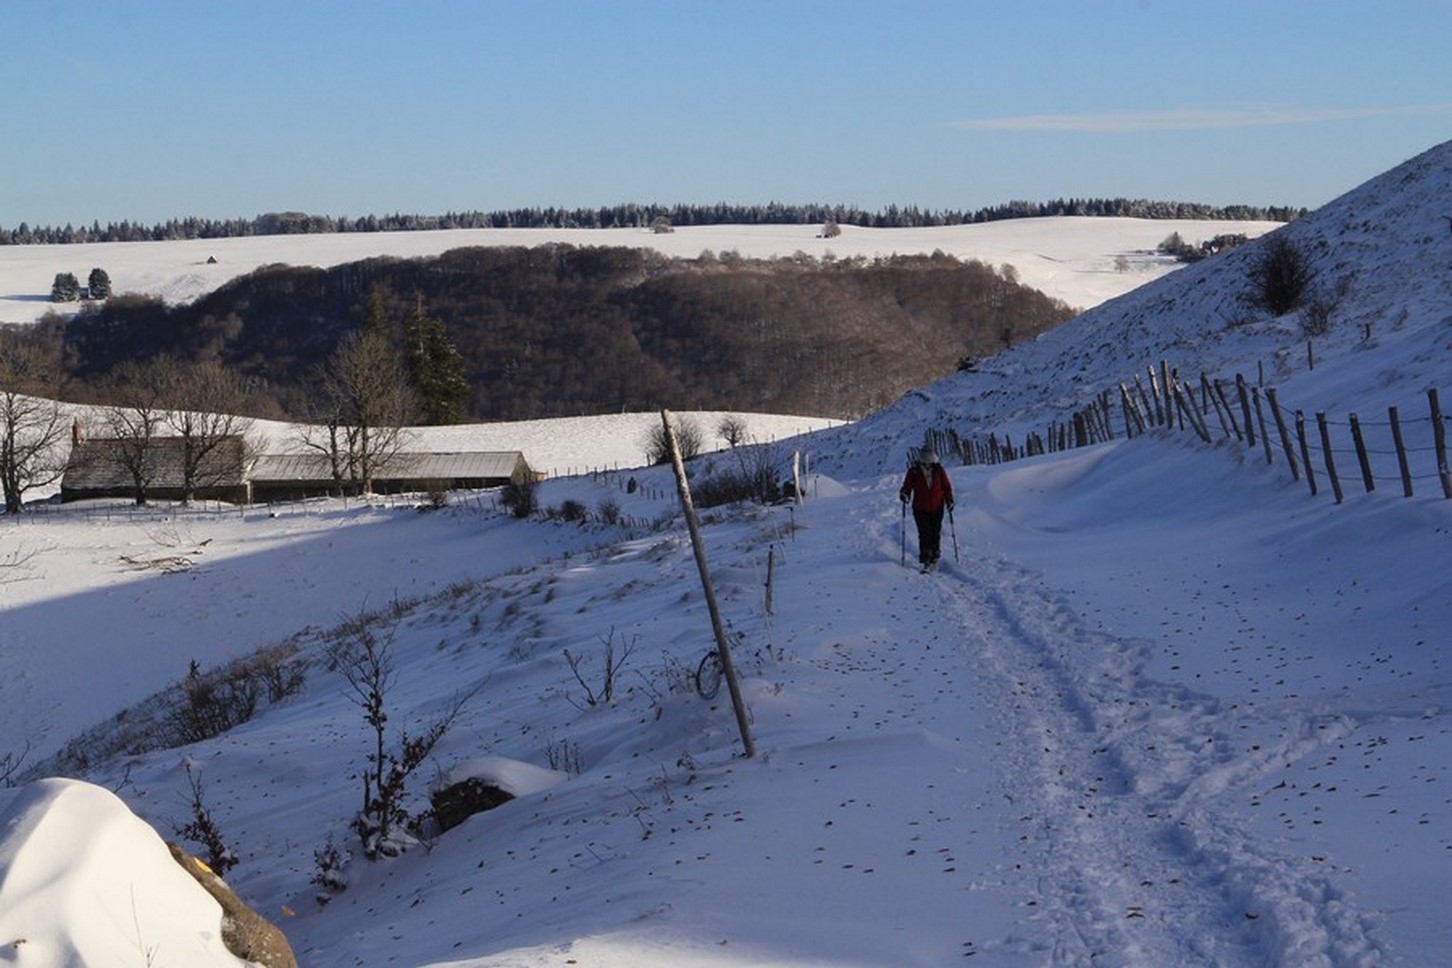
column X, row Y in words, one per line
column 732, row 429
column 363, row 654
column 324, row 431
column 134, row 423
column 10, row 765
column 203, row 400
column 688, row 439
column 364, row 398
column 32, row 428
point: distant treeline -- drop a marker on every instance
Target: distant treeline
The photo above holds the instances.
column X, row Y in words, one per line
column 631, row 216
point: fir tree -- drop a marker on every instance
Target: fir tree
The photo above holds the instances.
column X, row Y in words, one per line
column 99, row 284
column 435, row 368
column 66, row 288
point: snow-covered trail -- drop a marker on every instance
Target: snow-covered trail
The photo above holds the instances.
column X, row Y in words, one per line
column 1125, row 788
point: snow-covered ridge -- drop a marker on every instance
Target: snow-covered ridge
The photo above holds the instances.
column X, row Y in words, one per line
column 1073, row 259
column 1382, row 255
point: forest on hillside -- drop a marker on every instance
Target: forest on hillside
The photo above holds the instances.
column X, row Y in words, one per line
column 560, row 330
column 631, row 216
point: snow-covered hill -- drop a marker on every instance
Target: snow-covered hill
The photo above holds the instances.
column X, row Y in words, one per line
column 1161, row 707
column 1082, row 261
column 1382, row 259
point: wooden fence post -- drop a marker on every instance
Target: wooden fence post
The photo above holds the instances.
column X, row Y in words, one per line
column 1220, row 393
column 1189, row 409
column 1439, row 434
column 1131, row 412
column 1326, row 451
column 1155, row 395
column 1305, row 451
column 1213, row 403
column 1143, row 398
column 1245, row 409
column 1260, row 419
column 1366, row 479
column 770, row 576
column 689, row 507
column 1402, row 465
column 1270, row 394
column 1169, row 390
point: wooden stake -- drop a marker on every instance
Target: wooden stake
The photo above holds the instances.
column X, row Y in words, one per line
column 1439, row 434
column 1305, row 451
column 1270, row 394
column 1362, row 459
column 1396, row 429
column 1161, row 418
column 689, row 507
column 1220, row 393
column 1245, row 409
column 1260, row 419
column 1326, row 451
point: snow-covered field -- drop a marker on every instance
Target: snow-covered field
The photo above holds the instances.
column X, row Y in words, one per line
column 1073, row 259
column 1160, row 707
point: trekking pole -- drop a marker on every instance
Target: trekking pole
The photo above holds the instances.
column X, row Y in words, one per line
column 953, row 530
column 904, row 533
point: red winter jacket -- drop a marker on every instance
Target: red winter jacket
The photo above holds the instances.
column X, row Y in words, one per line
column 931, row 491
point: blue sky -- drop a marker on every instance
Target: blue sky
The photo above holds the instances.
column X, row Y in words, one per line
column 150, row 109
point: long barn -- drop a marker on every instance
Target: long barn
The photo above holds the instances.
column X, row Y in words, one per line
column 97, row 468
column 281, row 477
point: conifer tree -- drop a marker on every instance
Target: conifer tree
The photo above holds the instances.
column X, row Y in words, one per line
column 435, row 368
column 99, row 284
column 66, row 288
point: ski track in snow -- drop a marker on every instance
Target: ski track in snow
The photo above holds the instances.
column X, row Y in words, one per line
column 1129, row 841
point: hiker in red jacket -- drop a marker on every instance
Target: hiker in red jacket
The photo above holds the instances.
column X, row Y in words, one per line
column 932, row 493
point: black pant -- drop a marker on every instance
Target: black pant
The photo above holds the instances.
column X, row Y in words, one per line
column 930, row 533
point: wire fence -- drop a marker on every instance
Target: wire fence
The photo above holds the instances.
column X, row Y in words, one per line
column 1402, row 450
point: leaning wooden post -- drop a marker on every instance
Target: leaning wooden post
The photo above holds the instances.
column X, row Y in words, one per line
column 1209, row 395
column 1161, row 418
column 1220, row 393
column 684, row 487
column 1305, row 451
column 1361, row 457
column 1189, row 408
column 1439, row 434
column 1270, row 394
column 1168, row 389
column 1326, row 449
column 1406, row 469
column 1144, row 398
column 1260, row 419
column 1245, row 409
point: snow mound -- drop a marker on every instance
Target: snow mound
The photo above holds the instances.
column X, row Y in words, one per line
column 514, row 777
column 84, row 881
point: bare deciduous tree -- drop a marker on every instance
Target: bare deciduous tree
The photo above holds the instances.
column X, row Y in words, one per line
column 135, row 422
column 363, row 655
column 732, row 429
column 688, row 439
column 32, row 427
column 363, row 405
column 203, row 401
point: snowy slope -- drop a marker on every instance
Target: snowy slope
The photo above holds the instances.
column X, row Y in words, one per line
column 1162, row 706
column 1073, row 259
column 1382, row 253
